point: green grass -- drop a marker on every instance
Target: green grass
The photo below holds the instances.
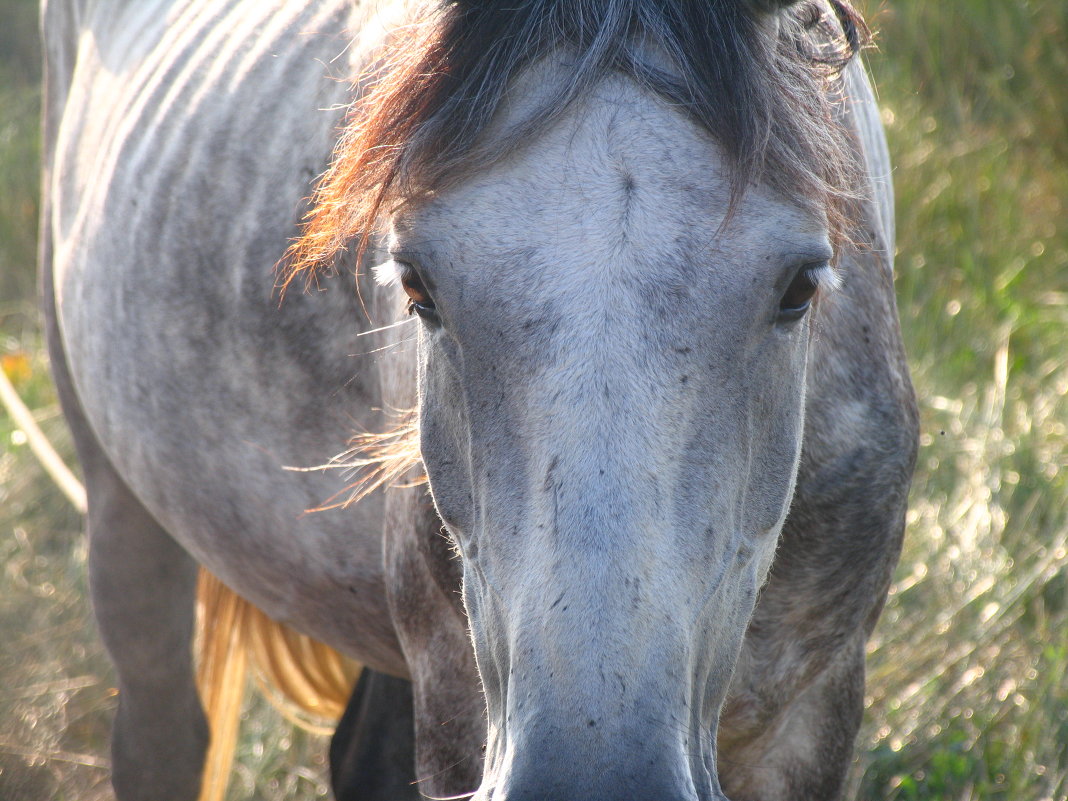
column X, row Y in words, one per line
column 968, row 670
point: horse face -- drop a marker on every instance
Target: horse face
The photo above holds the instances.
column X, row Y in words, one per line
column 612, row 393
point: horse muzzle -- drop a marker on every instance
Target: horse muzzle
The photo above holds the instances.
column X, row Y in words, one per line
column 621, row 708
column 576, row 759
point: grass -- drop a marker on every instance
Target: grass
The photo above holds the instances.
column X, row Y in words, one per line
column 968, row 669
column 968, row 694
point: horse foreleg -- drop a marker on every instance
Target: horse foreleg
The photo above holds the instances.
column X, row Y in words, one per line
column 804, row 754
column 143, row 587
column 372, row 752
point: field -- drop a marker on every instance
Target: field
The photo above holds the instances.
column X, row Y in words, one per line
column 968, row 669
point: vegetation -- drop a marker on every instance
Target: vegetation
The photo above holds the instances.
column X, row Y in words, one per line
column 968, row 670
column 968, row 686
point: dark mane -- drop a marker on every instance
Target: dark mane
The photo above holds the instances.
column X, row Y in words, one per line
column 764, row 91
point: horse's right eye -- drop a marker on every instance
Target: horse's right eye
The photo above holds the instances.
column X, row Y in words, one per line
column 419, row 300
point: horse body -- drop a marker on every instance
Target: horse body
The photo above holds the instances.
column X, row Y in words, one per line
column 616, row 414
column 193, row 348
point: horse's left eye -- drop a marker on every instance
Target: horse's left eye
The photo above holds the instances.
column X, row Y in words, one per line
column 798, row 296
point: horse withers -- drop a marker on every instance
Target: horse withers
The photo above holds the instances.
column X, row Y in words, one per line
column 633, row 271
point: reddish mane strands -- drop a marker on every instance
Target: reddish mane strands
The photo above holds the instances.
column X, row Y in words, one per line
column 767, row 99
column 366, row 160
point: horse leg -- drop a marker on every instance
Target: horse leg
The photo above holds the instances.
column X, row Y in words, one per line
column 806, row 751
column 143, row 589
column 372, row 752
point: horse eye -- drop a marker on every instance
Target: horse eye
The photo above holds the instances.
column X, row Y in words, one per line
column 419, row 300
column 798, row 296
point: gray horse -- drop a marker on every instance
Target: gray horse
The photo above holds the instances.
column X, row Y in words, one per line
column 645, row 251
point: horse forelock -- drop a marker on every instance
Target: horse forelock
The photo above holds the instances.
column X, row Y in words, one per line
column 766, row 94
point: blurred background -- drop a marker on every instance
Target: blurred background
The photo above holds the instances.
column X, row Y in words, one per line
column 968, row 668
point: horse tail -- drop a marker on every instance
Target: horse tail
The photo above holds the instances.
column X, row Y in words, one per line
column 306, row 680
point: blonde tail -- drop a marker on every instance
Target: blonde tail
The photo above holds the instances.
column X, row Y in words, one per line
column 307, row 681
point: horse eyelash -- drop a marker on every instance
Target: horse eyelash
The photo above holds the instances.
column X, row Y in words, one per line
column 388, row 273
column 391, row 273
column 827, row 277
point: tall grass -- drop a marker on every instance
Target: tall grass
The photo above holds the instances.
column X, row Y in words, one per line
column 968, row 687
column 968, row 670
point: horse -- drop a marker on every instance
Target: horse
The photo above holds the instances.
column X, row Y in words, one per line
column 602, row 291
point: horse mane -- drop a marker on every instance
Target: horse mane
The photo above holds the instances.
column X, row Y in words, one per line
column 765, row 93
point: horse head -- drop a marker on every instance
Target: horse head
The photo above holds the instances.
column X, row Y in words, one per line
column 615, row 270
